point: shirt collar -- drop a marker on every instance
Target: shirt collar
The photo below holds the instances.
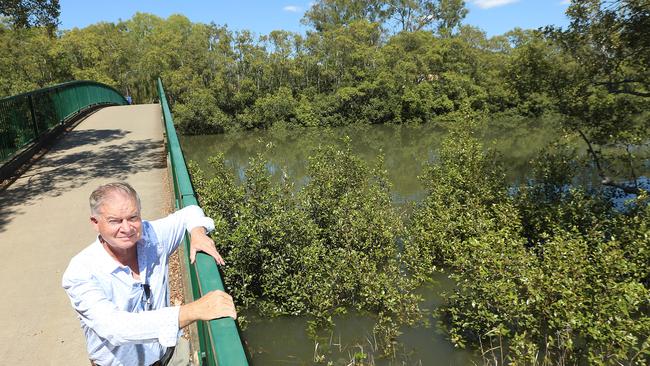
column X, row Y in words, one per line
column 105, row 261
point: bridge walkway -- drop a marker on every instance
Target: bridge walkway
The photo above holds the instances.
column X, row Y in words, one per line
column 44, row 221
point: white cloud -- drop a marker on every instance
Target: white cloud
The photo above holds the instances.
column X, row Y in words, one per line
column 565, row 2
column 486, row 4
column 292, row 8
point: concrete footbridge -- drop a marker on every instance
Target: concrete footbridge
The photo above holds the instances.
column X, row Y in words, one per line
column 57, row 145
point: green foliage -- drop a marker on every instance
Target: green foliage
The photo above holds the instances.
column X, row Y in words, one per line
column 31, row 13
column 549, row 275
column 444, row 16
column 544, row 272
column 274, row 108
column 201, row 108
column 328, row 248
column 458, row 206
column 306, row 116
column 27, row 61
column 355, row 69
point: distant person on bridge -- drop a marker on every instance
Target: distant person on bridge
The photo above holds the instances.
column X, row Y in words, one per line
column 119, row 284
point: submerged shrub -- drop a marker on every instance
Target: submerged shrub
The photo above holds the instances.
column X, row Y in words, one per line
column 545, row 274
column 466, row 197
column 330, row 247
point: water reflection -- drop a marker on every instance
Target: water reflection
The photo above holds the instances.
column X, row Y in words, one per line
column 405, row 149
column 284, row 340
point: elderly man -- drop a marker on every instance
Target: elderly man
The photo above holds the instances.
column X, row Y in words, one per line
column 119, row 284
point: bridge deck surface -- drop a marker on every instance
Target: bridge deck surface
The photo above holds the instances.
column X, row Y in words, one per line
column 44, row 221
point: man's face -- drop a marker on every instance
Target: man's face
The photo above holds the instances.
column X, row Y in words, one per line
column 118, row 221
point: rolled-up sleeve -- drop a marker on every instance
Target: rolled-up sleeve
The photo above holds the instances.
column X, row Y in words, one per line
column 174, row 226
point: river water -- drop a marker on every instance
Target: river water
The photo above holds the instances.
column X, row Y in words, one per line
column 406, row 149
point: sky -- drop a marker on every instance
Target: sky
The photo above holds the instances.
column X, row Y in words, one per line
column 495, row 17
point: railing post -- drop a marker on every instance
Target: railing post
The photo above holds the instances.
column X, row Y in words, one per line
column 33, row 112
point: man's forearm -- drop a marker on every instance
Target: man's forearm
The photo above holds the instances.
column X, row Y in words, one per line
column 213, row 305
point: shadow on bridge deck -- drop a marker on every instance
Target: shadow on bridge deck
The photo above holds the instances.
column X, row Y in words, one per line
column 44, row 222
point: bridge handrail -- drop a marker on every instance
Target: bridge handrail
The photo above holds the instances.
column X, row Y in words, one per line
column 26, row 117
column 218, row 339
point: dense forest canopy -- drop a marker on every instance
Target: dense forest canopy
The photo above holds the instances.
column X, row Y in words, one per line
column 371, row 61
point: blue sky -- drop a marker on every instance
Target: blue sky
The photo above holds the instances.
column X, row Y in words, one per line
column 493, row 16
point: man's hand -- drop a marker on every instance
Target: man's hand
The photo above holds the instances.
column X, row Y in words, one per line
column 213, row 305
column 201, row 242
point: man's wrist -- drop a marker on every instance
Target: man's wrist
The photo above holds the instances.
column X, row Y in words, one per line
column 186, row 315
column 199, row 229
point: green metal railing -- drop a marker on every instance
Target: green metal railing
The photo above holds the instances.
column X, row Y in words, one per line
column 219, row 339
column 26, row 117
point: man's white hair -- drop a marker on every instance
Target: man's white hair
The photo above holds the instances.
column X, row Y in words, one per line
column 100, row 194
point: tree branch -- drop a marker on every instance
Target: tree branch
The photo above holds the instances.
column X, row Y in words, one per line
column 631, row 92
column 613, row 87
column 593, row 154
column 624, row 81
column 604, row 179
column 630, row 161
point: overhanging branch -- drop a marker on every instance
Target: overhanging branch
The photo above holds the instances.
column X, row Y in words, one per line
column 614, row 87
column 604, row 179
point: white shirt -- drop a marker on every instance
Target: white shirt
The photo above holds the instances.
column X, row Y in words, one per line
column 112, row 305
